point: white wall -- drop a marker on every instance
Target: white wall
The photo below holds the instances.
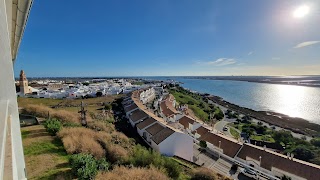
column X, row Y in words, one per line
column 178, row 144
column 8, row 90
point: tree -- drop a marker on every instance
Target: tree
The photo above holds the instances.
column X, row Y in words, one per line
column 303, row 153
column 99, row 94
column 315, row 142
column 203, row 144
column 282, row 136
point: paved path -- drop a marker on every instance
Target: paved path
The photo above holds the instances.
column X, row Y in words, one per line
column 220, row 125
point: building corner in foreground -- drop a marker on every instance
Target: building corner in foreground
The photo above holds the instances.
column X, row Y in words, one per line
column 13, row 19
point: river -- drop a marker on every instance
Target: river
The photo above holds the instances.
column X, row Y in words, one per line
column 295, row 101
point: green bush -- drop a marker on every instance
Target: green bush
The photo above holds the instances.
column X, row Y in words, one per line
column 145, row 158
column 53, row 126
column 203, row 144
column 84, row 166
column 316, row 142
column 103, row 165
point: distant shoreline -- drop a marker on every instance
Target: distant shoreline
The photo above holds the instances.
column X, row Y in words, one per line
column 297, row 125
column 278, row 80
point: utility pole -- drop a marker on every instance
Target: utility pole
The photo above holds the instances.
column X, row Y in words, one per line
column 83, row 113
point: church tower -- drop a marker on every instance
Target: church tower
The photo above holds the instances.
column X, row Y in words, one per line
column 23, row 83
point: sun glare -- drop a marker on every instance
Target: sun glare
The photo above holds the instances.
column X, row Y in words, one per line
column 301, row 11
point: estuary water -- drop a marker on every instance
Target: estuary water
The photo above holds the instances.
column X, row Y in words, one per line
column 295, row 101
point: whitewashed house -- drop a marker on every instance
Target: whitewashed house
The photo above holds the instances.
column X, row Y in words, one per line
column 136, row 116
column 189, row 124
column 172, row 143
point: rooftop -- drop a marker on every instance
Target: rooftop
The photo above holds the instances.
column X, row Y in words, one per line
column 271, row 159
column 130, row 107
column 136, row 115
column 185, row 121
column 146, row 123
column 162, row 135
column 155, row 128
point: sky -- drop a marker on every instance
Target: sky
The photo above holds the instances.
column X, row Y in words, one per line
column 80, row 38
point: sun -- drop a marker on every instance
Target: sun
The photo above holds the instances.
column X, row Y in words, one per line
column 301, row 11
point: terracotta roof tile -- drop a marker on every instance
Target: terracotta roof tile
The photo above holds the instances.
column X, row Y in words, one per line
column 230, row 148
column 201, row 131
column 185, row 121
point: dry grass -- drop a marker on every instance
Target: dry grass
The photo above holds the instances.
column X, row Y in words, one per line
column 43, row 111
column 116, row 153
column 81, row 140
column 123, row 173
column 206, row 174
column 101, row 126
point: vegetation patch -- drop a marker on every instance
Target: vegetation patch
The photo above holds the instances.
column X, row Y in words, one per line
column 199, row 105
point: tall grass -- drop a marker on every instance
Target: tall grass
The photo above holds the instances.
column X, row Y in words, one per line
column 44, row 112
column 81, row 140
column 207, row 174
column 124, row 173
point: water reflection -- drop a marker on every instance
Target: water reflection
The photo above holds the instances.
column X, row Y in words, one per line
column 290, row 99
column 295, row 101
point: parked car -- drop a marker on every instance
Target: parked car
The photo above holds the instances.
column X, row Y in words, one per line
column 249, row 172
column 225, row 129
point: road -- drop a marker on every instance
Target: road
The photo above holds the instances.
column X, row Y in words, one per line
column 220, row 125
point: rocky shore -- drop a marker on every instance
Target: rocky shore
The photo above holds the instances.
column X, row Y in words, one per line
column 294, row 124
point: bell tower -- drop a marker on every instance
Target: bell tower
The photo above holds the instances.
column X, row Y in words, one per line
column 23, row 83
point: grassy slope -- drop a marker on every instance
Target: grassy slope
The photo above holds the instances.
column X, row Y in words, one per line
column 45, row 156
column 185, row 98
column 93, row 104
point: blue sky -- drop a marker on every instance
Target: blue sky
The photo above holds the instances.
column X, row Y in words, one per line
column 170, row 37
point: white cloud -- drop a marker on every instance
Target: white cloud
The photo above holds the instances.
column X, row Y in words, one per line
column 307, row 43
column 222, row 62
column 250, row 53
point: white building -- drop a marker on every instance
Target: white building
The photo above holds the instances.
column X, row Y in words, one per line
column 13, row 18
column 147, row 95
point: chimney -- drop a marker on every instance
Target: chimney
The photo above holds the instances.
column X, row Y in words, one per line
column 288, row 155
column 292, row 156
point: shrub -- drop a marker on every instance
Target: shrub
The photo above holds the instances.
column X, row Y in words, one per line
column 38, row 110
column 81, row 140
column 101, row 126
column 315, row 142
column 203, row 174
column 103, row 165
column 53, row 126
column 124, row 173
column 203, row 144
column 145, row 158
column 84, row 166
column 116, row 153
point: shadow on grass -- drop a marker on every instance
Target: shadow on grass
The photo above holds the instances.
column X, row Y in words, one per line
column 58, row 174
column 54, row 147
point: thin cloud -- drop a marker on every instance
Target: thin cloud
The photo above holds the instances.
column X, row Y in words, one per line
column 222, row 62
column 250, row 53
column 275, row 58
column 307, row 43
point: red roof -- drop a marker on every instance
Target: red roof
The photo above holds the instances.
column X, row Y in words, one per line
column 271, row 159
column 230, row 148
